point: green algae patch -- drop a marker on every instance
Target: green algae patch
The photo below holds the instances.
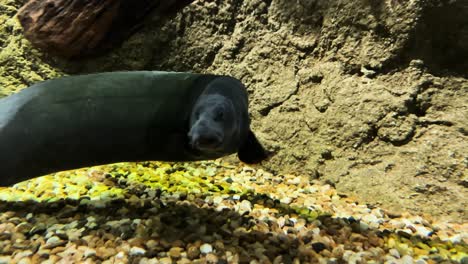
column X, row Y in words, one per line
column 195, row 178
column 72, row 185
column 121, row 180
column 104, row 182
column 427, row 248
column 206, row 178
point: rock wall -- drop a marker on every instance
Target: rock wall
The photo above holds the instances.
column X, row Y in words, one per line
column 369, row 96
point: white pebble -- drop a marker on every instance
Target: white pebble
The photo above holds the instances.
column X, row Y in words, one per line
column 458, row 238
column 71, row 225
column 355, row 258
column 286, row 200
column 101, row 203
column 244, row 206
column 206, row 248
column 217, row 200
column 394, row 253
column 29, row 216
column 316, row 231
column 120, row 255
column 423, row 231
column 91, row 225
column 89, row 252
column 363, row 226
column 23, row 254
column 143, row 261
column 53, row 240
column 347, row 255
column 378, row 213
column 149, row 261
column 220, row 207
column 151, row 193
column 24, row 261
column 137, row 251
column 406, row 259
column 373, row 221
column 280, row 221
column 397, row 224
column 294, row 181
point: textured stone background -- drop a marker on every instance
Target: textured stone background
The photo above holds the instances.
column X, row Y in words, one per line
column 370, row 96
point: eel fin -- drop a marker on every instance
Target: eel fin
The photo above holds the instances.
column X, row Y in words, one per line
column 252, row 151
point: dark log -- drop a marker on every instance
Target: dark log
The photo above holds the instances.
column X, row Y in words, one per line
column 76, row 28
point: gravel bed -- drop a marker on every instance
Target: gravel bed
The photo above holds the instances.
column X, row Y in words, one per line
column 209, row 212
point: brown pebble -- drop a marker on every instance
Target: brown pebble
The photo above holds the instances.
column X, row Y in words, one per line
column 24, row 227
column 375, row 241
column 108, row 236
column 193, row 252
column 211, row 258
column 178, row 243
column 28, row 244
column 136, row 242
column 36, row 258
column 124, row 246
column 165, row 244
column 109, row 244
column 392, row 214
column 99, row 242
column 80, row 242
column 89, row 240
column 218, row 245
column 56, row 250
column 198, row 243
column 17, row 236
column 165, row 260
column 69, row 252
column 244, row 258
column 326, row 253
column 53, row 258
column 338, row 251
column 44, row 253
column 174, row 252
column 307, row 251
column 150, row 244
column 278, row 260
column 412, row 228
column 105, row 253
column 357, row 238
column 184, row 261
column 259, row 236
column 420, row 252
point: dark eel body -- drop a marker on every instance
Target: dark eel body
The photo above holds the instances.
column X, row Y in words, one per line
column 86, row 120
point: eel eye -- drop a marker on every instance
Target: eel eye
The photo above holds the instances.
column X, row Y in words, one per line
column 219, row 116
column 197, row 114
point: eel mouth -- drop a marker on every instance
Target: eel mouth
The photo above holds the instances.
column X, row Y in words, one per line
column 207, row 146
column 206, row 142
column 201, row 146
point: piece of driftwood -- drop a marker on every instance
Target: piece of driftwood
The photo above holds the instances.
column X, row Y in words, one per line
column 75, row 28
